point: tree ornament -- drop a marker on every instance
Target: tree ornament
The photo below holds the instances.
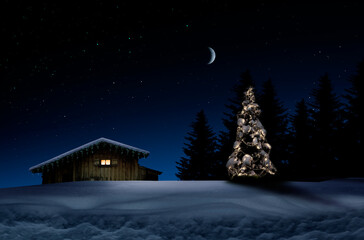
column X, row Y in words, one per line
column 246, row 129
column 247, row 159
column 241, row 121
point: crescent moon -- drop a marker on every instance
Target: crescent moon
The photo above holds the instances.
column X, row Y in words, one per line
column 212, row 56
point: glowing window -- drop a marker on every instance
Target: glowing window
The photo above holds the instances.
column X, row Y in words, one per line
column 105, row 162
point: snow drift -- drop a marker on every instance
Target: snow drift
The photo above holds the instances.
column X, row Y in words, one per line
column 184, row 210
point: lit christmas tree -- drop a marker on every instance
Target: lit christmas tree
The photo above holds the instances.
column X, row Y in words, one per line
column 251, row 150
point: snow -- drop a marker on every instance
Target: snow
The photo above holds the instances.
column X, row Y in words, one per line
column 95, row 142
column 184, row 210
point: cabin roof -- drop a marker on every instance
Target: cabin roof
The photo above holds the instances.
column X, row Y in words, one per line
column 149, row 169
column 95, row 142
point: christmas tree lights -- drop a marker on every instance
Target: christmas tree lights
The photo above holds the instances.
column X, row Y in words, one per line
column 251, row 149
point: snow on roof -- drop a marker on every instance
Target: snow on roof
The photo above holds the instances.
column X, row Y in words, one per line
column 95, row 142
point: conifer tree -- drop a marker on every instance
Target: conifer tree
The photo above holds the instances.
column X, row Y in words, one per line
column 354, row 98
column 302, row 144
column 275, row 120
column 228, row 137
column 251, row 150
column 199, row 151
column 351, row 134
column 325, row 115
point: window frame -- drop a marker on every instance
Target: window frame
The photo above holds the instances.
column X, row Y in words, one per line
column 105, row 162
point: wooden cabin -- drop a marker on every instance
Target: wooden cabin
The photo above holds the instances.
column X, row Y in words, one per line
column 100, row 160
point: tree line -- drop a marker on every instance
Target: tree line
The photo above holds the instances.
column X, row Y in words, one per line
column 321, row 139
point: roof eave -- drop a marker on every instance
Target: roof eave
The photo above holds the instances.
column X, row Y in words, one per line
column 143, row 153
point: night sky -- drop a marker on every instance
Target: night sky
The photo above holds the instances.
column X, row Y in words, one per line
column 138, row 74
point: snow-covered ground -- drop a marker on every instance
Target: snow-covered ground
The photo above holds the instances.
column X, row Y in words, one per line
column 184, row 210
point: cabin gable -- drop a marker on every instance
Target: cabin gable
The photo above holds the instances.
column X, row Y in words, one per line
column 102, row 161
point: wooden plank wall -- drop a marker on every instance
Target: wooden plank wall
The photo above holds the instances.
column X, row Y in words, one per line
column 89, row 168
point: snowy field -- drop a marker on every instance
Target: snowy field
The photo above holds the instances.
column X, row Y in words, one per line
column 184, row 210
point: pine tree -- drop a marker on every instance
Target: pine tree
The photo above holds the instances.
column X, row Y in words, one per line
column 275, row 120
column 352, row 131
column 354, row 97
column 227, row 137
column 251, row 150
column 200, row 152
column 325, row 116
column 302, row 144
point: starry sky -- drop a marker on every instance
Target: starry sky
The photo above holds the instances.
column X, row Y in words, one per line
column 136, row 72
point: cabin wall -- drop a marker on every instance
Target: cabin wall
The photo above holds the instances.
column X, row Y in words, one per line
column 59, row 172
column 88, row 168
